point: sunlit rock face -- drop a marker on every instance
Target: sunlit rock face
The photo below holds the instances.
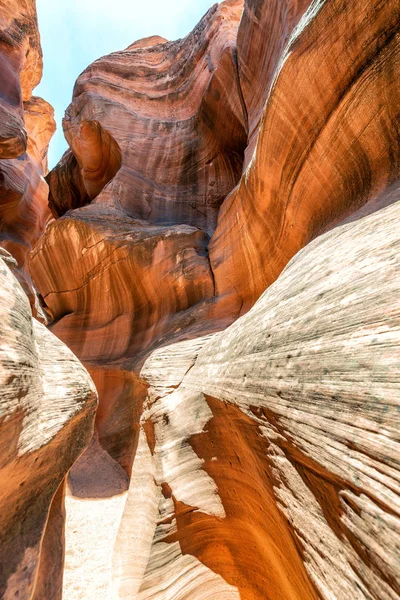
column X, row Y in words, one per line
column 327, row 144
column 260, row 459
column 47, row 407
column 275, row 462
column 177, row 121
column 26, row 127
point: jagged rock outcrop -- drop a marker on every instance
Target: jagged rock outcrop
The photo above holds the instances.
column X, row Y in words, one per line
column 269, row 454
column 47, row 408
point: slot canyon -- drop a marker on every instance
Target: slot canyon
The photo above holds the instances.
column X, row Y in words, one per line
column 200, row 311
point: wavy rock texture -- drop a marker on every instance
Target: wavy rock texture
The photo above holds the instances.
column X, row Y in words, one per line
column 328, row 142
column 156, row 279
column 20, row 71
column 26, row 127
column 275, row 463
column 47, row 409
column 177, row 122
column 24, row 209
column 174, row 104
column 263, row 34
column 261, row 463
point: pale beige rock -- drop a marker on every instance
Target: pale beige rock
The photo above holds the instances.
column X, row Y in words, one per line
column 270, row 452
column 316, row 366
column 47, row 406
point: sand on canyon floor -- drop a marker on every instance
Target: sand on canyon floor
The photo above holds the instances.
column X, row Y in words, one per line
column 96, row 496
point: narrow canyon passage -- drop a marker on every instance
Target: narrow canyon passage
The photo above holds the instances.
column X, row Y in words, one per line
column 200, row 309
column 96, row 494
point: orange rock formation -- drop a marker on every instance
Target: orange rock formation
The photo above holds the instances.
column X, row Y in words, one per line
column 249, row 170
column 47, row 399
column 26, row 127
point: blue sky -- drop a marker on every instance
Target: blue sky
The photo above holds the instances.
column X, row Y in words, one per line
column 76, row 32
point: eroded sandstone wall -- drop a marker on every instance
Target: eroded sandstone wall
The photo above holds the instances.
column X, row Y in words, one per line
column 261, row 457
column 26, row 127
column 47, row 408
column 47, row 399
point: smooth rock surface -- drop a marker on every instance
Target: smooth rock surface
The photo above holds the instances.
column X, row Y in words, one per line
column 47, row 409
column 328, row 141
column 275, row 462
column 170, row 115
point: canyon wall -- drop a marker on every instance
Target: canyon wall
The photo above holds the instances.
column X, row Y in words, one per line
column 220, row 248
column 47, row 399
column 26, row 127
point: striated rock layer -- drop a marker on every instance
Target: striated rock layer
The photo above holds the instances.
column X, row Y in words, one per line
column 26, row 126
column 170, row 115
column 262, row 462
column 47, row 410
column 20, row 70
column 157, row 134
column 275, row 460
column 47, row 399
column 328, row 140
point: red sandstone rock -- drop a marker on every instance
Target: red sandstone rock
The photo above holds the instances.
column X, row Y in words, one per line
column 263, row 462
column 20, row 71
column 177, row 123
column 175, row 98
column 328, row 142
column 25, row 132
column 40, row 125
column 154, row 279
column 263, row 34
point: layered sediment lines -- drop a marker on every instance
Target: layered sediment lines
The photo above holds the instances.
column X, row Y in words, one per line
column 47, row 411
column 26, row 127
column 175, row 113
column 262, row 461
column 47, row 399
column 21, row 71
column 327, row 144
column 287, row 421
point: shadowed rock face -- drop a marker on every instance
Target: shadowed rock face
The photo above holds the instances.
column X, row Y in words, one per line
column 47, row 410
column 263, row 460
